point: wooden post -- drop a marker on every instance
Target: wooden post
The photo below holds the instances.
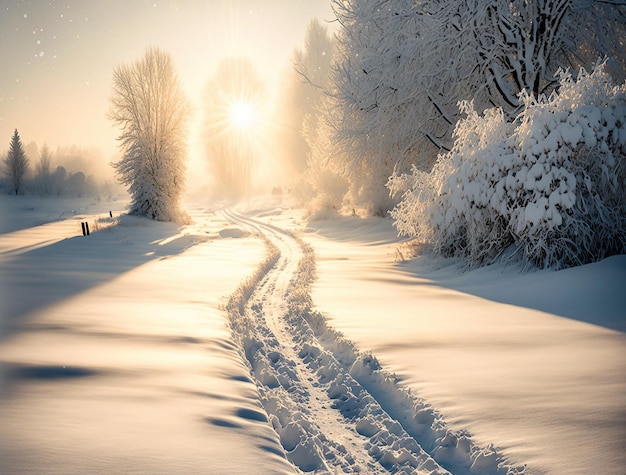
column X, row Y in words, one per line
column 87, row 228
column 82, row 225
column 110, row 214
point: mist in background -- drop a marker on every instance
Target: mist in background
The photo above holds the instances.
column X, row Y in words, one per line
column 58, row 61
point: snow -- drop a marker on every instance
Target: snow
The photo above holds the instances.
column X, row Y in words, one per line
column 533, row 363
column 550, row 183
column 116, row 357
column 117, row 352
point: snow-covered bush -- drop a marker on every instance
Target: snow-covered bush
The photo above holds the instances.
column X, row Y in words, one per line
column 450, row 206
column 551, row 184
column 402, row 67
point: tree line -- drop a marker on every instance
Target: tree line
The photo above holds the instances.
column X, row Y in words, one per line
column 26, row 169
column 399, row 70
column 371, row 114
column 399, row 125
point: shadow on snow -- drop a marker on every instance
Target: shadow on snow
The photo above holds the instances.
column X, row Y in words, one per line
column 46, row 275
column 593, row 293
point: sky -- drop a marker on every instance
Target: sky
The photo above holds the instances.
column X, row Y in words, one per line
column 57, row 58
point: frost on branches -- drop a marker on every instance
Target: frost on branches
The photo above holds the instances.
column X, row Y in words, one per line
column 150, row 108
column 548, row 188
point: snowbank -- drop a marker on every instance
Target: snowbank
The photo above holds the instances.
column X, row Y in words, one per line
column 531, row 363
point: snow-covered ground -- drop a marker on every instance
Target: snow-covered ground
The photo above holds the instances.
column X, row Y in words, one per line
column 116, row 351
column 533, row 363
column 115, row 357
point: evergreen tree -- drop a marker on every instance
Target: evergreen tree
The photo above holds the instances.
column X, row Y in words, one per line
column 16, row 162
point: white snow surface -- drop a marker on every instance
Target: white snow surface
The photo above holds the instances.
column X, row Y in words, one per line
column 533, row 363
column 117, row 352
column 115, row 357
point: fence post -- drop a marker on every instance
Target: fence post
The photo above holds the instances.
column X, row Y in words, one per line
column 82, row 225
column 87, row 228
column 110, row 214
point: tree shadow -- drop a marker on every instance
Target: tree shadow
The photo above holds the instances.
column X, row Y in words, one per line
column 23, row 212
column 594, row 293
column 368, row 231
column 49, row 274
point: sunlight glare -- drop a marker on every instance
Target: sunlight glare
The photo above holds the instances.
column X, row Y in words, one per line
column 241, row 115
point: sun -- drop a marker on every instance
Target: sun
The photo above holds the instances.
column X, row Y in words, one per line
column 241, row 115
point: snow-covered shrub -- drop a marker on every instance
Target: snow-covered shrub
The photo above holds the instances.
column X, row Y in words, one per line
column 571, row 184
column 452, row 206
column 551, row 184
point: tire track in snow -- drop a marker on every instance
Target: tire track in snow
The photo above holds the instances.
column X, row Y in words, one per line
column 334, row 409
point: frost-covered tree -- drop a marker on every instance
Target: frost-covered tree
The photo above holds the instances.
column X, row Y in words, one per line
column 149, row 106
column 521, row 45
column 403, row 67
column 366, row 109
column 16, row 162
column 322, row 187
column 308, row 81
column 548, row 187
column 318, row 184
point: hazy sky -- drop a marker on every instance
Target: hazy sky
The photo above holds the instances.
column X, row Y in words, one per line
column 57, row 58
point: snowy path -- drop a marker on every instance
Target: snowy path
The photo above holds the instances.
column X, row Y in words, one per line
column 334, row 410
